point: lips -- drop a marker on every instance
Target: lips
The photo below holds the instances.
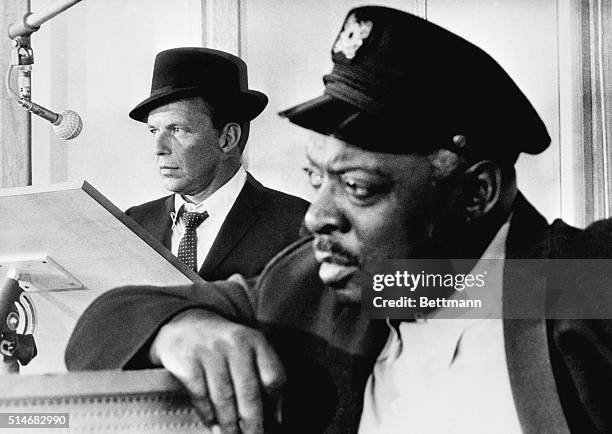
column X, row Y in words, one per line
column 334, row 258
column 337, row 264
column 335, row 274
column 168, row 170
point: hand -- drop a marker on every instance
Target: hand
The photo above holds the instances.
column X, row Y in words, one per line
column 227, row 368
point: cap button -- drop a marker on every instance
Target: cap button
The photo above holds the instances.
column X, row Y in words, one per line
column 459, row 141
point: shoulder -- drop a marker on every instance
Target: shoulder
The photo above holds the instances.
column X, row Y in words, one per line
column 593, row 242
column 566, row 241
column 599, row 236
column 296, row 261
column 277, row 200
column 284, row 200
column 563, row 241
column 289, row 289
column 579, row 272
column 287, row 275
column 148, row 207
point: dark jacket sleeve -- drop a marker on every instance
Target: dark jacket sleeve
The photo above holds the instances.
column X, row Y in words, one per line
column 116, row 330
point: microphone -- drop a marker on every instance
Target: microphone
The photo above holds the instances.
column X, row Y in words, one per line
column 66, row 125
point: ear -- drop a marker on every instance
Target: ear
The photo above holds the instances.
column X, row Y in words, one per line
column 230, row 137
column 482, row 187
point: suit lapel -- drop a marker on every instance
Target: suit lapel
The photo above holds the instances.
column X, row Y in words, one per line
column 527, row 351
column 162, row 232
column 240, row 218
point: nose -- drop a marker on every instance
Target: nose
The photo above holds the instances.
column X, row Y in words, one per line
column 160, row 143
column 325, row 216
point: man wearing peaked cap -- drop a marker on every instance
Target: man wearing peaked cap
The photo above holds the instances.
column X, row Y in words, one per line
column 406, row 85
column 198, row 114
column 419, row 132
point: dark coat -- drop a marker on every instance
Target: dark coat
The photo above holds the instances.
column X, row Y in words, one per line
column 260, row 224
column 560, row 370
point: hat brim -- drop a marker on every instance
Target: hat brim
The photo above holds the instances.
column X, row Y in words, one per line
column 324, row 114
column 246, row 105
column 336, row 117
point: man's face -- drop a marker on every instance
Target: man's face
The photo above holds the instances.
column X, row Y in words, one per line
column 186, row 144
column 368, row 206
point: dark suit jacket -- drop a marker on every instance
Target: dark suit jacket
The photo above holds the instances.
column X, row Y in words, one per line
column 560, row 370
column 260, row 224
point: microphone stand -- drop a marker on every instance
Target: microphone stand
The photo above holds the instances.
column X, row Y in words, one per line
column 31, row 22
column 22, row 57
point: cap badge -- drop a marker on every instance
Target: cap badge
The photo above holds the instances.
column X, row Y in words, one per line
column 352, row 36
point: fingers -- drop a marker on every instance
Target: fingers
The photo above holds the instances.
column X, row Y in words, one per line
column 211, row 390
column 191, row 375
column 222, row 395
column 237, row 387
column 228, row 369
column 271, row 371
column 248, row 392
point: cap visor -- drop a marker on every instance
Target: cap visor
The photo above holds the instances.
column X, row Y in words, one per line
column 324, row 114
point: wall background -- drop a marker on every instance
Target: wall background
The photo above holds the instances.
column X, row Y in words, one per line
column 97, row 58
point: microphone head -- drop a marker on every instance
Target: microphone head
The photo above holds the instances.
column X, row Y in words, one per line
column 68, row 125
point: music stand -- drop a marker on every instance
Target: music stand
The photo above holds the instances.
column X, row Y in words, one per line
column 73, row 244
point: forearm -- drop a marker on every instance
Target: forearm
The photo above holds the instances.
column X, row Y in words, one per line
column 117, row 328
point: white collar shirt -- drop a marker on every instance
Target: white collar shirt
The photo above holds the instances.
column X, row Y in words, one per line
column 217, row 205
column 446, row 375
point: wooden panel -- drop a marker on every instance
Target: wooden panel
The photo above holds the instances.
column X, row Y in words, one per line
column 91, row 239
column 15, row 145
column 149, row 401
column 600, row 49
column 420, row 8
column 586, row 91
column 222, row 26
column 576, row 165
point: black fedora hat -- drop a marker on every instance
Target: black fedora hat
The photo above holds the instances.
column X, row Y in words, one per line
column 217, row 76
column 401, row 84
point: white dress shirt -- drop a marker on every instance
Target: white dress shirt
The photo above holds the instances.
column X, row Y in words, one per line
column 217, row 205
column 446, row 375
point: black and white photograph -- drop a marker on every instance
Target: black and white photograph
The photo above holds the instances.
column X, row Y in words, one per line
column 306, row 216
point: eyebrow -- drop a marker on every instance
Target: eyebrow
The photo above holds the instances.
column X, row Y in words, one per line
column 170, row 125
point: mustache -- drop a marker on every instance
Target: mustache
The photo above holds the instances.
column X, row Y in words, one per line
column 334, row 248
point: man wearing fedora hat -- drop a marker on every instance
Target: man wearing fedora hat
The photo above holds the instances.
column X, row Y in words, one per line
column 219, row 219
column 419, row 132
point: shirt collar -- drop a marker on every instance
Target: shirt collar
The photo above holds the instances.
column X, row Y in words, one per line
column 225, row 195
column 497, row 248
column 491, row 265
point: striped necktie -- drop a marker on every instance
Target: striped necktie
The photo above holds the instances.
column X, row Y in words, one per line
column 188, row 247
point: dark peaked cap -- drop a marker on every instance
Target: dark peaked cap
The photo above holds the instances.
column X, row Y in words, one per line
column 219, row 77
column 401, row 85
